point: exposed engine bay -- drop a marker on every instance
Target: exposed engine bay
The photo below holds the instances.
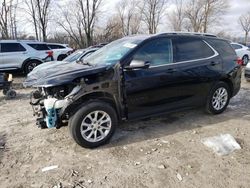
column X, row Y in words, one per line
column 53, row 105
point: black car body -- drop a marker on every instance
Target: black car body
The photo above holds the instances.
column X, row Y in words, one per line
column 136, row 77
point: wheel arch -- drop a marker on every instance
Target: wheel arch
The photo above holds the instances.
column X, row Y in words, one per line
column 229, row 83
column 30, row 59
column 106, row 97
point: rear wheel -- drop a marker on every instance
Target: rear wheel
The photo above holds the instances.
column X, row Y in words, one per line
column 245, row 59
column 218, row 98
column 30, row 65
column 93, row 124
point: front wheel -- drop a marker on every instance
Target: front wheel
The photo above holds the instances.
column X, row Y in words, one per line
column 218, row 98
column 93, row 124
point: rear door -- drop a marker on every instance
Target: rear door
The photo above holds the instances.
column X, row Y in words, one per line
column 12, row 55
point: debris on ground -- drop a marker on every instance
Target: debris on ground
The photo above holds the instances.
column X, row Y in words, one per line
column 161, row 166
column 74, row 173
column 222, row 145
column 137, row 163
column 49, row 168
column 179, row 177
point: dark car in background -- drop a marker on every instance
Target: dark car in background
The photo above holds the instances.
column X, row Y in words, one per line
column 136, row 77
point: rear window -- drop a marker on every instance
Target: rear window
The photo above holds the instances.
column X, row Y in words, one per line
column 12, row 47
column 39, row 47
column 222, row 47
column 53, row 46
column 187, row 49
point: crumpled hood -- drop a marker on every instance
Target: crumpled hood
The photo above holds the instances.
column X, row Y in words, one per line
column 59, row 73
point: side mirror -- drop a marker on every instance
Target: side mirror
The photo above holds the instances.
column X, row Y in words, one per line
column 138, row 64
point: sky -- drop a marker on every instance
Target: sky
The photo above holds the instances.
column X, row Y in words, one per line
column 229, row 22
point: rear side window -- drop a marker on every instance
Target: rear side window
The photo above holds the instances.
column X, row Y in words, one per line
column 236, row 46
column 12, row 47
column 187, row 49
column 52, row 46
column 39, row 47
column 156, row 52
column 223, row 47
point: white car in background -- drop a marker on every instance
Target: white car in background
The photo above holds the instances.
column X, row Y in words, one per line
column 242, row 52
column 60, row 51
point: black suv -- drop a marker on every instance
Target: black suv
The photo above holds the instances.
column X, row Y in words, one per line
column 135, row 77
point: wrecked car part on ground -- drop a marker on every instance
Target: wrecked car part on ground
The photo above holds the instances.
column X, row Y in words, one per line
column 134, row 77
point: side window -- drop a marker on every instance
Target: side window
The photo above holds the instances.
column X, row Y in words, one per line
column 12, row 47
column 39, row 47
column 187, row 49
column 156, row 52
column 53, row 46
column 236, row 46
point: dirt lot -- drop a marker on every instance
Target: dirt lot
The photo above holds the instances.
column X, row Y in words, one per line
column 160, row 152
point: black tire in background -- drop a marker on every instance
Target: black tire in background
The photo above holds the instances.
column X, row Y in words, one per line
column 30, row 65
column 245, row 59
column 61, row 57
column 76, row 121
column 210, row 106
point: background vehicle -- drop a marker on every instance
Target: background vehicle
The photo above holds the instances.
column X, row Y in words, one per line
column 136, row 77
column 242, row 52
column 81, row 54
column 23, row 55
column 60, row 51
column 247, row 72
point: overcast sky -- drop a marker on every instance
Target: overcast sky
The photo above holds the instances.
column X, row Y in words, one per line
column 229, row 22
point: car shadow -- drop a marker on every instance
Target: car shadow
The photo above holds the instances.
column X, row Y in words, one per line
column 155, row 128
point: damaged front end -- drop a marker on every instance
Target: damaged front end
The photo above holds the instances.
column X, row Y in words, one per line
column 59, row 94
column 47, row 104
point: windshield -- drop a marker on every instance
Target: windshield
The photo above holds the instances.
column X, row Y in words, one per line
column 73, row 57
column 113, row 52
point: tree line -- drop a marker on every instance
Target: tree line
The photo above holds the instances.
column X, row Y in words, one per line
column 83, row 23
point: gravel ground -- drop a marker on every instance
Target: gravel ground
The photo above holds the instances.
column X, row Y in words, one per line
column 159, row 152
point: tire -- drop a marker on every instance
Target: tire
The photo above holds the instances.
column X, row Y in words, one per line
column 61, row 57
column 30, row 65
column 10, row 94
column 90, row 128
column 213, row 107
column 245, row 59
column 5, row 91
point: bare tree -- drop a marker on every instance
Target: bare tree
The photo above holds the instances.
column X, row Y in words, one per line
column 194, row 13
column 43, row 8
column 177, row 16
column 213, row 9
column 152, row 12
column 32, row 12
column 129, row 17
column 202, row 14
column 244, row 21
column 89, row 10
column 4, row 19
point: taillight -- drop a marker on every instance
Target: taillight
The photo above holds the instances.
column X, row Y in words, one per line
column 239, row 61
column 50, row 53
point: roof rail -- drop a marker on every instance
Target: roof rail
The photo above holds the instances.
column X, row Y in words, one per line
column 190, row 33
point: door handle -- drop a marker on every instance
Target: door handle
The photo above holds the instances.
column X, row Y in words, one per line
column 213, row 63
column 171, row 70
